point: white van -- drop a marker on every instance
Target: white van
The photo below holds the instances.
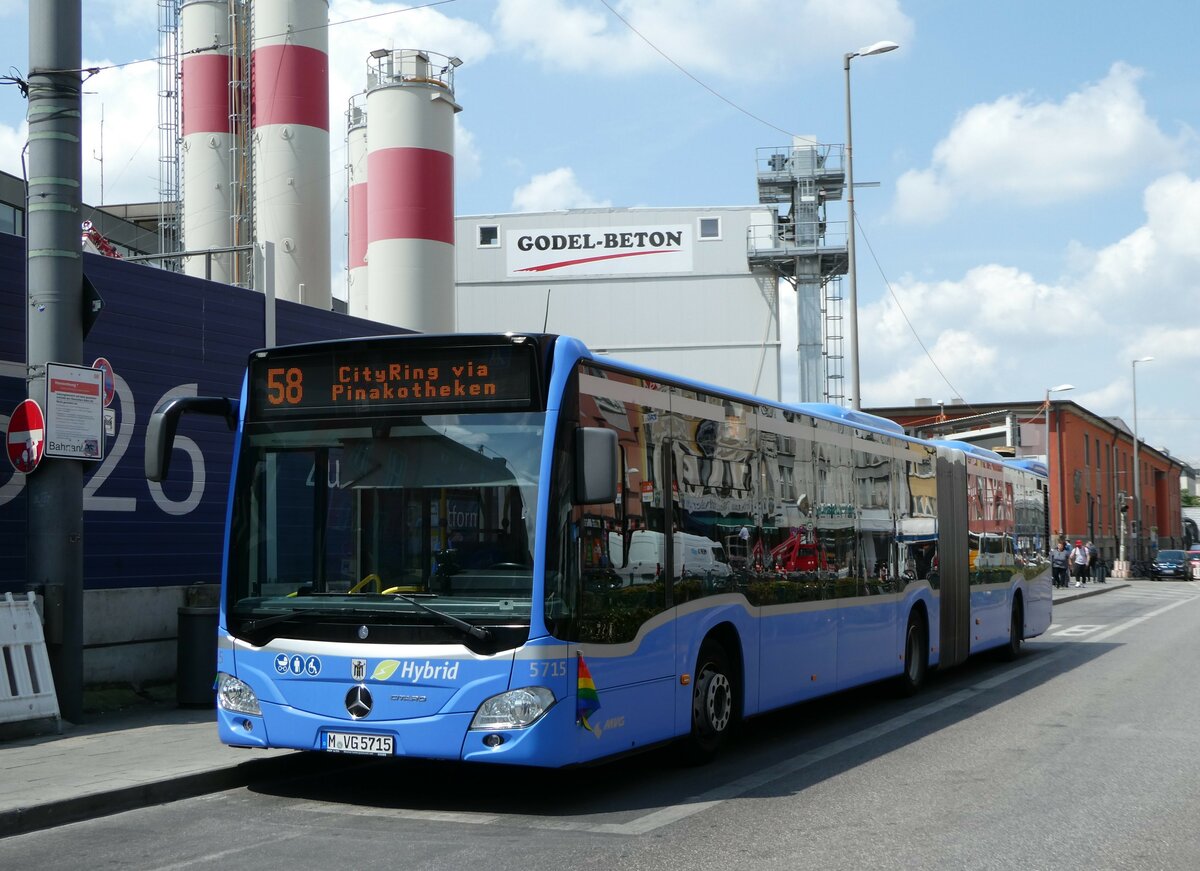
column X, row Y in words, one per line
column 694, row 555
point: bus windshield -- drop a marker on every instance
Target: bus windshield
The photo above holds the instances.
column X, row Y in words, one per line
column 416, row 521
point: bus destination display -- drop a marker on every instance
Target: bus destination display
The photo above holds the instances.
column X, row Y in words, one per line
column 395, row 378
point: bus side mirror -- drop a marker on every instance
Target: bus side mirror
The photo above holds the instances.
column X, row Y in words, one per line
column 595, row 465
column 160, row 431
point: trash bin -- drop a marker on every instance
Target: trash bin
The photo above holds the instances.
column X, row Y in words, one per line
column 196, row 658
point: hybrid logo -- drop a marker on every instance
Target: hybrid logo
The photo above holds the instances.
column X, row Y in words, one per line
column 411, row 672
column 414, row 671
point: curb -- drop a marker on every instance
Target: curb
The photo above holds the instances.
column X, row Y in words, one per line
column 1088, row 592
column 19, row 821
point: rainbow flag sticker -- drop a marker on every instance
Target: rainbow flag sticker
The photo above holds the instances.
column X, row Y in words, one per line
column 587, row 700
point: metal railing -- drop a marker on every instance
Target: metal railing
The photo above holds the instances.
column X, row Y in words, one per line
column 788, row 239
column 801, row 161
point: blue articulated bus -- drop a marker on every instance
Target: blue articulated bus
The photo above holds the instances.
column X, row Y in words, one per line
column 506, row 549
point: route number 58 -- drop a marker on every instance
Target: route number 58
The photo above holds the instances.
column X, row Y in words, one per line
column 285, row 386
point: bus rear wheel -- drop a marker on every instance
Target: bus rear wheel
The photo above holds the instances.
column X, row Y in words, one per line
column 714, row 703
column 1016, row 630
column 916, row 655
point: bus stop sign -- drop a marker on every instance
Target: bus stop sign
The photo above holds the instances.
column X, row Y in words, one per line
column 26, row 436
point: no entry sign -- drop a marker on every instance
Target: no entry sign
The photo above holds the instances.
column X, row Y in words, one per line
column 26, row 436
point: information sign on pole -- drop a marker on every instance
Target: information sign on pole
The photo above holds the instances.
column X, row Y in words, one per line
column 26, row 436
column 74, row 412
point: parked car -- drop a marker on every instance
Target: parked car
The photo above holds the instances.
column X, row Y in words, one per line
column 1193, row 558
column 1169, row 564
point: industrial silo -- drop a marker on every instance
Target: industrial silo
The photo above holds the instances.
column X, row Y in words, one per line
column 356, row 198
column 207, row 139
column 290, row 112
column 410, row 209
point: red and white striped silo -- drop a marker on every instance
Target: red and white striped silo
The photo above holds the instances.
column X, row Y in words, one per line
column 410, row 210
column 289, row 65
column 356, row 199
column 206, row 208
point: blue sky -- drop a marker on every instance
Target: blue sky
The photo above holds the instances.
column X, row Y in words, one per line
column 1037, row 219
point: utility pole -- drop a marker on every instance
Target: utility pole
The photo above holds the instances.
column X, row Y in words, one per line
column 54, row 326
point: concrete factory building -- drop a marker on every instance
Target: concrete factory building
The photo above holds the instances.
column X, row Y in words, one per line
column 667, row 288
column 687, row 290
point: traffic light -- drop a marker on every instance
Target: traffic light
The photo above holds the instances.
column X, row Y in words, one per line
column 1122, row 503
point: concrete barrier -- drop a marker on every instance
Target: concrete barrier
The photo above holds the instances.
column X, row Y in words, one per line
column 28, row 704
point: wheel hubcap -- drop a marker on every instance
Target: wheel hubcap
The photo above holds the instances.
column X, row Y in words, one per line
column 714, row 702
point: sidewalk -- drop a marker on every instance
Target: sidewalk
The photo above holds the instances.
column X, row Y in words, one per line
column 149, row 751
column 138, row 751
column 1092, row 589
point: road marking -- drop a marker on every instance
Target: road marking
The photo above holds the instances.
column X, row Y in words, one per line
column 233, row 851
column 1080, row 629
column 463, row 817
column 1121, row 627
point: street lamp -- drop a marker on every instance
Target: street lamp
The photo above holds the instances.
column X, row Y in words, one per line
column 876, row 48
column 1062, row 388
column 1137, row 480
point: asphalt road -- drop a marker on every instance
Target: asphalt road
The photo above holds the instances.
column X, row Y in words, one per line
column 1083, row 754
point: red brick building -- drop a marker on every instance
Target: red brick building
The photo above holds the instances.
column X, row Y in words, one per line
column 1091, row 466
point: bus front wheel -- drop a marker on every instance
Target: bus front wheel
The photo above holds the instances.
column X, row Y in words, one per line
column 714, row 703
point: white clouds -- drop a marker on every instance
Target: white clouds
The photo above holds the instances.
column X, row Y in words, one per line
column 554, row 190
column 709, row 37
column 998, row 333
column 1040, row 152
column 350, row 44
column 957, row 345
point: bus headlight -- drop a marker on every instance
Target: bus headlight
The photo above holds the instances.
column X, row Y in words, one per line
column 515, row 709
column 235, row 695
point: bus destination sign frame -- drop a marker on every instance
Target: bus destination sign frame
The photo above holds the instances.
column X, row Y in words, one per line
column 391, row 378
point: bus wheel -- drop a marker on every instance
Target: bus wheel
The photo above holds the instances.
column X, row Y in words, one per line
column 916, row 655
column 1012, row 650
column 713, row 703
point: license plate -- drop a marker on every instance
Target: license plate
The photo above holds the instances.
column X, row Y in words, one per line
column 351, row 742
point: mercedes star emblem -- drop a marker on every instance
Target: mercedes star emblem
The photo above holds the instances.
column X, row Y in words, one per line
column 358, row 701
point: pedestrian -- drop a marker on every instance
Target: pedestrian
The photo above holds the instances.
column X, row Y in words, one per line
column 1079, row 562
column 1059, row 560
column 1093, row 562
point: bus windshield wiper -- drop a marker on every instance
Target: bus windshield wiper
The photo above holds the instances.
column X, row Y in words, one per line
column 262, row 622
column 471, row 629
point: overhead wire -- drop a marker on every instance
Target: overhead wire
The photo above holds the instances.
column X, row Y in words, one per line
column 216, row 46
column 905, row 314
column 750, row 114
